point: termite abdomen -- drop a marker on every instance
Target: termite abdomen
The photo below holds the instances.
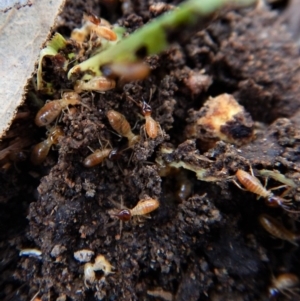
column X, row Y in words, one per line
column 145, row 206
column 41, row 150
column 126, row 71
column 276, row 229
column 48, row 113
column 97, row 157
column 283, row 283
column 251, row 183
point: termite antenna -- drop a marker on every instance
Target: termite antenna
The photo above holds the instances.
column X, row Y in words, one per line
column 90, row 149
column 130, row 158
column 276, row 201
column 131, row 99
column 34, row 297
column 146, row 108
column 152, row 91
column 286, row 208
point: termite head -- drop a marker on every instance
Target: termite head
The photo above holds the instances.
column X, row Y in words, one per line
column 273, row 292
column 277, row 201
column 146, row 109
column 55, row 134
column 115, row 154
column 274, row 201
column 283, row 283
column 124, row 215
column 72, row 98
column 92, row 18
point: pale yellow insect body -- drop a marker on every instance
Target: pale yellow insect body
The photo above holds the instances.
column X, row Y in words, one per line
column 145, row 206
column 97, row 83
column 252, row 184
column 97, row 157
column 276, row 229
column 53, row 108
column 120, row 124
column 283, row 283
column 142, row 208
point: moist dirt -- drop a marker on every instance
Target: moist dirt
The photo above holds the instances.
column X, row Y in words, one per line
column 204, row 242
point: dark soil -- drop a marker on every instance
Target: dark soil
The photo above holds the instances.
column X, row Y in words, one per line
column 204, row 242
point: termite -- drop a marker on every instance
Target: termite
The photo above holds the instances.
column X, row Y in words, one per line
column 14, row 150
column 276, row 229
column 97, row 157
column 120, row 124
column 104, row 32
column 152, row 127
column 53, row 108
column 126, row 71
column 100, row 27
column 93, row 24
column 184, row 186
column 252, row 184
column 92, row 18
column 41, row 150
column 97, row 83
column 284, row 283
column 142, row 208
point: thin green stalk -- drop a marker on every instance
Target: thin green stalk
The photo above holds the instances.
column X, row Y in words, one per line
column 152, row 37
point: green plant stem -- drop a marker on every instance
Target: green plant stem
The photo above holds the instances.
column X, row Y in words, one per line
column 152, row 38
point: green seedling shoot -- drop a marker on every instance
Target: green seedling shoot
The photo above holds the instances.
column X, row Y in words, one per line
column 53, row 46
column 153, row 37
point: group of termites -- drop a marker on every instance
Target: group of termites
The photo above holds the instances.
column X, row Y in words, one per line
column 122, row 71
column 286, row 282
column 135, row 71
column 51, row 111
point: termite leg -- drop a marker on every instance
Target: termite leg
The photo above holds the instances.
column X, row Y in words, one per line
column 251, row 171
column 34, row 297
column 85, row 105
column 151, row 93
column 144, row 132
column 278, row 187
column 121, row 222
column 130, row 158
column 286, row 192
column 107, row 144
column 90, row 149
column 286, row 208
column 135, row 124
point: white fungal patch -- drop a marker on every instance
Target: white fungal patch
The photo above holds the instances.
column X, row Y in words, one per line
column 31, row 253
column 89, row 274
column 101, row 263
column 83, row 255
